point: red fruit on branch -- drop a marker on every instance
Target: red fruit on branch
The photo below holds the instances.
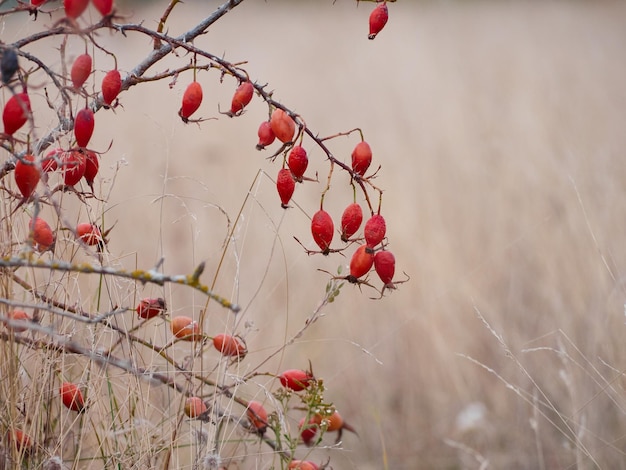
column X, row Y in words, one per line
column 302, row 465
column 375, row 230
column 361, row 262
column 229, row 346
column 378, row 19
column 361, row 158
column 89, row 234
column 322, row 229
column 73, row 164
column 19, row 440
column 91, row 167
column 194, row 407
column 351, row 220
column 16, row 112
column 18, row 316
column 185, row 328
column 243, row 95
column 111, row 86
column 296, row 379
column 72, row 397
column 75, row 8
column 81, row 68
column 41, row 234
column 333, row 422
column 385, row 266
column 49, row 162
column 26, row 175
column 105, row 7
column 37, row 2
column 257, row 415
column 298, row 162
column 192, row 98
column 266, row 135
column 285, row 185
column 308, row 431
column 150, row 308
column 283, row 125
column 83, row 126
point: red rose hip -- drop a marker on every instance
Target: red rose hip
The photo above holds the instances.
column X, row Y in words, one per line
column 298, row 162
column 322, row 229
column 378, row 19
column 375, row 230
column 361, row 158
column 351, row 221
column 285, row 185
column 385, row 266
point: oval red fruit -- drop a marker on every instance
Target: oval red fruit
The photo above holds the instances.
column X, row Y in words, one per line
column 385, row 266
column 42, row 235
column 20, row 440
column 296, row 379
column 49, row 163
column 266, row 135
column 257, row 415
column 192, row 98
column 361, row 158
column 185, row 328
column 150, row 308
column 91, row 167
column 81, row 68
column 83, row 126
column 111, row 86
column 229, row 346
column 26, row 175
column 194, row 407
column 375, row 230
column 18, row 316
column 73, row 164
column 75, row 8
column 322, row 229
column 72, row 397
column 351, row 220
column 302, row 465
column 105, row 7
column 333, row 422
column 298, row 162
column 285, row 186
column 37, row 2
column 89, row 234
column 243, row 95
column 16, row 112
column 308, row 431
column 378, row 19
column 283, row 125
column 361, row 262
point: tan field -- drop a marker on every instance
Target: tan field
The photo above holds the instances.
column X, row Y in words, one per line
column 500, row 129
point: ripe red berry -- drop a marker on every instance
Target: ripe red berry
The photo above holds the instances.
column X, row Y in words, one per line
column 308, row 431
column 81, row 68
column 194, row 407
column 266, row 135
column 75, row 8
column 375, row 230
column 385, row 266
column 351, row 220
column 37, row 2
column 105, row 7
column 257, row 415
column 91, row 167
column 42, row 235
column 73, row 164
column 26, row 175
column 229, row 346
column 89, row 233
column 296, row 379
column 302, row 465
column 15, row 112
column 111, row 86
column 361, row 262
column 361, row 158
column 285, row 186
column 19, row 440
column 72, row 397
column 322, row 228
column 49, row 163
column 378, row 19
column 243, row 95
column 83, row 126
column 191, row 100
column 283, row 125
column 298, row 162
column 150, row 308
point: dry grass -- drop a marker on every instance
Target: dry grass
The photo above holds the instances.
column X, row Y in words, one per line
column 500, row 129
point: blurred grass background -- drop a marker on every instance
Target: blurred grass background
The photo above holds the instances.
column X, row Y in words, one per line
column 501, row 129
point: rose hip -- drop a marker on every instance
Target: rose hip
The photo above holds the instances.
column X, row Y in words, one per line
column 322, row 229
column 298, row 162
column 285, row 186
column 351, row 220
column 375, row 230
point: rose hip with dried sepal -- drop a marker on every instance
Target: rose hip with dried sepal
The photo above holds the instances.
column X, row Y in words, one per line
column 296, row 379
column 298, row 162
column 375, row 230
column 192, row 98
column 42, row 235
column 91, row 167
column 285, row 185
column 81, row 68
column 243, row 95
column 73, row 164
column 26, row 175
column 322, row 229
column 111, row 86
column 385, row 266
column 361, row 262
column 150, row 308
column 361, row 158
column 84, row 124
column 283, row 125
column 15, row 112
column 266, row 135
column 351, row 221
column 378, row 19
